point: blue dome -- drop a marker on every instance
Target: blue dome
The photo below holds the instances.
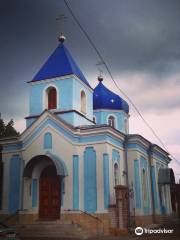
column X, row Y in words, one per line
column 103, row 98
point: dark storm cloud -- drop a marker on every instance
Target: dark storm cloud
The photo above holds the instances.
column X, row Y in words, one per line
column 148, row 38
column 133, row 36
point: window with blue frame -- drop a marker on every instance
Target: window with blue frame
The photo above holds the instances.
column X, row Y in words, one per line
column 47, row 140
column 51, row 94
column 111, row 121
column 83, row 102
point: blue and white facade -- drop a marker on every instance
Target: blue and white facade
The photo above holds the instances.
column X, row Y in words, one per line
column 84, row 134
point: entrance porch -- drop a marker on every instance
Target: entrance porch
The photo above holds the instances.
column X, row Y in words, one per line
column 43, row 187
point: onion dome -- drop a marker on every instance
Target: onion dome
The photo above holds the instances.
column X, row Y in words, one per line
column 103, row 98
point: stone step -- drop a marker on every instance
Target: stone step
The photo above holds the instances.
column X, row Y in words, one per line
column 56, row 235
column 51, row 230
column 58, row 226
column 54, row 230
column 55, row 222
column 39, row 236
column 166, row 220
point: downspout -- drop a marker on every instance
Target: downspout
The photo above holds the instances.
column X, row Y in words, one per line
column 127, row 179
column 150, row 159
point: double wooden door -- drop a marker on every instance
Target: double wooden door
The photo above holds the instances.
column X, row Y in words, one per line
column 49, row 195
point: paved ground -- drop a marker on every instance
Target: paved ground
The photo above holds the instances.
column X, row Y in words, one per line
column 154, row 236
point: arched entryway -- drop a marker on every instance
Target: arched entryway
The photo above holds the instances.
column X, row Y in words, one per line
column 49, row 172
column 49, row 193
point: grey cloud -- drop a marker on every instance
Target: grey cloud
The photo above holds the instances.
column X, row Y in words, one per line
column 160, row 107
column 133, row 36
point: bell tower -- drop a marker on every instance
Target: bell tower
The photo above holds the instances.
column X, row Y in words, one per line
column 61, row 87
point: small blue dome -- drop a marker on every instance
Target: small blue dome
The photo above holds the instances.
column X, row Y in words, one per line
column 103, row 98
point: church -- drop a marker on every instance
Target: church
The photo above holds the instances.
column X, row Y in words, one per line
column 76, row 160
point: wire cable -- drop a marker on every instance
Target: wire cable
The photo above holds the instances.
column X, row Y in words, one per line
column 112, row 78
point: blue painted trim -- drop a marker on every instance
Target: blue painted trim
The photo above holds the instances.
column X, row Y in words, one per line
column 160, row 156
column 104, row 137
column 138, row 147
column 106, row 179
column 154, row 187
column 146, row 205
column 59, row 163
column 137, row 186
column 158, row 165
column 163, row 209
column 115, row 156
column 115, row 141
column 47, row 140
column 75, row 182
column 91, row 138
column 22, row 184
column 120, row 116
column 156, row 154
column 34, row 192
column 62, row 191
column 12, row 147
column 14, row 184
column 71, row 136
column 90, row 183
column 52, row 123
column 30, row 121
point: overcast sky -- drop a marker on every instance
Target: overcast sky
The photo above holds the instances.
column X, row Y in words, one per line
column 140, row 41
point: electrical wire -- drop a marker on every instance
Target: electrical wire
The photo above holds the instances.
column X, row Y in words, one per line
column 114, row 81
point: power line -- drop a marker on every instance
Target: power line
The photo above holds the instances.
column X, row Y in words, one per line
column 112, row 78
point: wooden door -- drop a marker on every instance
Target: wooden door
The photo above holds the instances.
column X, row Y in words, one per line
column 49, row 197
column 55, row 197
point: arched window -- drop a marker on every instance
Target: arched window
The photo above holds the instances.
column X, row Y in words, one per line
column 111, row 121
column 83, row 102
column 144, row 190
column 116, row 174
column 51, row 98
